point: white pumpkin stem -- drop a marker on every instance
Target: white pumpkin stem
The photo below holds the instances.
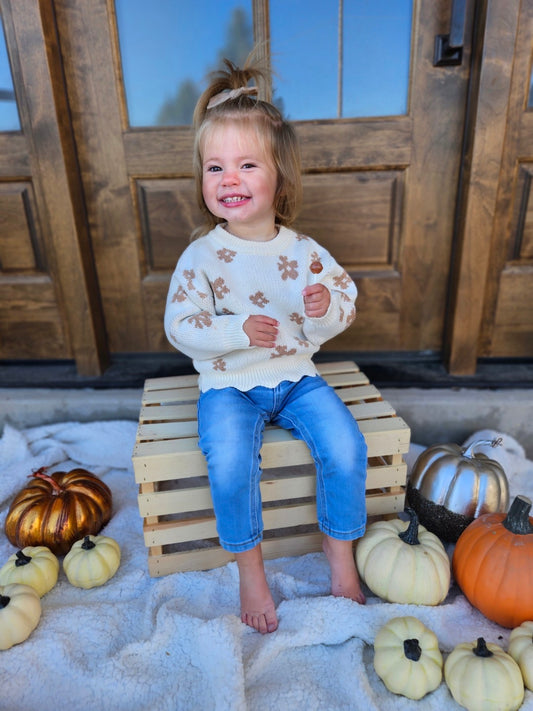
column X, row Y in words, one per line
column 411, row 649
column 481, row 649
column 410, row 535
column 469, row 451
column 88, row 544
column 22, row 559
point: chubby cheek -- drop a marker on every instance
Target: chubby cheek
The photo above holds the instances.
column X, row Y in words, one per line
column 210, row 200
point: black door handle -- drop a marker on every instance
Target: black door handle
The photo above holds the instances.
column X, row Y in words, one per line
column 449, row 48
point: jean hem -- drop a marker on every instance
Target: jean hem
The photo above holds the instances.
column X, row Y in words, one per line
column 241, row 547
column 342, row 535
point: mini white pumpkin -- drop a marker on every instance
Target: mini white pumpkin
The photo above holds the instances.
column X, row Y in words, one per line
column 92, row 561
column 20, row 612
column 407, row 657
column 521, row 650
column 482, row 677
column 35, row 566
column 403, row 562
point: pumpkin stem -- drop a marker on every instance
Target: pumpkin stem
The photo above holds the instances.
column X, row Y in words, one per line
column 481, row 649
column 410, row 535
column 22, row 559
column 88, row 544
column 412, row 650
column 41, row 474
column 4, row 601
column 517, row 519
column 468, row 452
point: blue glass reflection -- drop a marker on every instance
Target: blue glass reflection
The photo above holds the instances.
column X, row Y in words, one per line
column 9, row 118
column 170, row 46
column 341, row 59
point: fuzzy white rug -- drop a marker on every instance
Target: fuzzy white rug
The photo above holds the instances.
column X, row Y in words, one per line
column 176, row 643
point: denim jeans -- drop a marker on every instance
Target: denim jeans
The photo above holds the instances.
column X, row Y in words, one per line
column 231, row 425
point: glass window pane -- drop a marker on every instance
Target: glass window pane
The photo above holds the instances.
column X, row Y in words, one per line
column 9, row 118
column 347, row 58
column 169, row 46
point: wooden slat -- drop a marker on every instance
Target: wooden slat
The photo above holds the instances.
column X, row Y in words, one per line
column 178, row 501
column 170, row 532
column 280, row 517
column 167, row 413
column 344, row 366
column 334, row 373
column 168, row 459
column 188, row 428
column 207, row 558
column 178, row 394
column 170, row 382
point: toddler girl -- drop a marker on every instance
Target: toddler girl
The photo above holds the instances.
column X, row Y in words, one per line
column 250, row 302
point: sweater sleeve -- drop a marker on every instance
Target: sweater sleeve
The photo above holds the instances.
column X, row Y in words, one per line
column 191, row 322
column 341, row 311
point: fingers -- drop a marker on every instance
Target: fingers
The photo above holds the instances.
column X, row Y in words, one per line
column 316, row 300
column 262, row 331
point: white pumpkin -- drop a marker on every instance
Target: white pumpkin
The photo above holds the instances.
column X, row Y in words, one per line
column 35, row 566
column 20, row 612
column 482, row 677
column 407, row 657
column 521, row 650
column 92, row 561
column 403, row 562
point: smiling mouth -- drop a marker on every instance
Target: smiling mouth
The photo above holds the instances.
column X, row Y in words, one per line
column 232, row 199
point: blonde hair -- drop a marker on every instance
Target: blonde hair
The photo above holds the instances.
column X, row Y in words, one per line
column 277, row 135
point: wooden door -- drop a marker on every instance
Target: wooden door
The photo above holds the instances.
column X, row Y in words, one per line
column 49, row 302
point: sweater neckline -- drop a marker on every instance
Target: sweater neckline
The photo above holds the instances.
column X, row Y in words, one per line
column 271, row 246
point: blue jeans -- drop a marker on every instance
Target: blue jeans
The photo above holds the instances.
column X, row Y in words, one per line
column 231, row 425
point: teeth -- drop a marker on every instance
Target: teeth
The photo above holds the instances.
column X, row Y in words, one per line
column 236, row 198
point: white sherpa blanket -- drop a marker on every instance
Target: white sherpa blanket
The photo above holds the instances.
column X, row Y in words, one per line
column 177, row 643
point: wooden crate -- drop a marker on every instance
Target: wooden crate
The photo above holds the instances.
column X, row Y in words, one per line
column 174, row 496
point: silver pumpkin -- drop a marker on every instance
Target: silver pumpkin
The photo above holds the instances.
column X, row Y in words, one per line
column 449, row 487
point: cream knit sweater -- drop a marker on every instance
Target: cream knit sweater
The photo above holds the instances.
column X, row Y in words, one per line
column 220, row 280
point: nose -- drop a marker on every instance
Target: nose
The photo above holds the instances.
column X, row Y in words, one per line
column 230, row 177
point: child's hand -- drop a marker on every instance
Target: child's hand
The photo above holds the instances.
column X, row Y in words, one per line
column 261, row 330
column 316, row 300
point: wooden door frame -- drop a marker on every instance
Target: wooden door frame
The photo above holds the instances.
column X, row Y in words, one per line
column 33, row 47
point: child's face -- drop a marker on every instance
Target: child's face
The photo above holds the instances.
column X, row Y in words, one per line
column 239, row 181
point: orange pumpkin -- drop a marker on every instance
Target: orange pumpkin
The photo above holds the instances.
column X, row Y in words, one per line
column 57, row 510
column 493, row 564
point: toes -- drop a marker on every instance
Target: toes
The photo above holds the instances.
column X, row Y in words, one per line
column 261, row 622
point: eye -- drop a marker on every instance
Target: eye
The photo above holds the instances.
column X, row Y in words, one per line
column 213, row 169
column 249, row 165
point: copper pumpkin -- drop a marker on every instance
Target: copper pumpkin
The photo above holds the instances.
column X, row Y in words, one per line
column 57, row 510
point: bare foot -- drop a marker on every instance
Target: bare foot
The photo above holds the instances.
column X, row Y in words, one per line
column 257, row 606
column 344, row 577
